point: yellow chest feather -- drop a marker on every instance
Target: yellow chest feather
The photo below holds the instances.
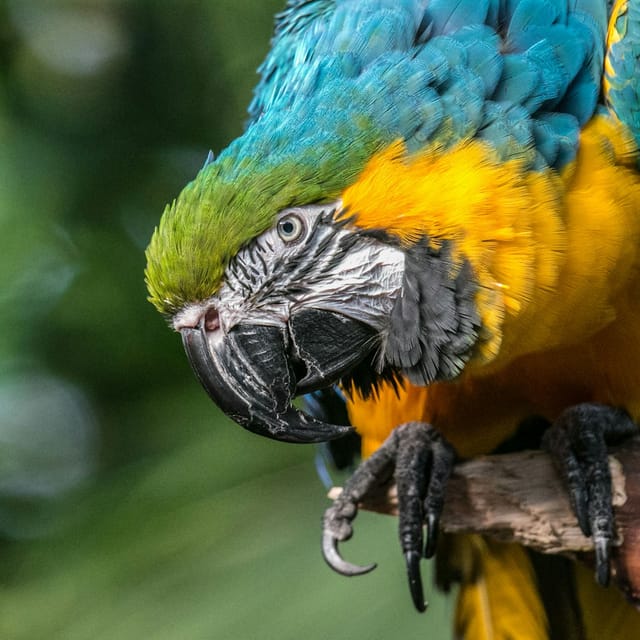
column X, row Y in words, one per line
column 556, row 257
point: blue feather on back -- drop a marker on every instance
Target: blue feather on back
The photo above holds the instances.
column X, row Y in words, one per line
column 523, row 75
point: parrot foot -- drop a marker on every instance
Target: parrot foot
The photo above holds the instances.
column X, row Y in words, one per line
column 422, row 460
column 577, row 442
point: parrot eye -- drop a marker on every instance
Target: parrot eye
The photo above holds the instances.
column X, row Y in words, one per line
column 290, row 227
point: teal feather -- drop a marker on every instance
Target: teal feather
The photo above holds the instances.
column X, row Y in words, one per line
column 434, row 61
column 296, row 27
column 453, row 50
column 566, row 44
column 431, row 115
column 495, row 15
column 449, row 16
column 380, row 33
column 590, row 17
column 509, row 130
column 546, row 142
column 530, row 14
column 553, row 79
column 565, row 130
column 520, row 81
column 485, row 58
column 581, row 98
column 463, row 105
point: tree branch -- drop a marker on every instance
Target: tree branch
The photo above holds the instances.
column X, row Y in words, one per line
column 520, row 498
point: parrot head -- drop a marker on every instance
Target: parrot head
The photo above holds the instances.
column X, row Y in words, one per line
column 276, row 298
column 280, row 284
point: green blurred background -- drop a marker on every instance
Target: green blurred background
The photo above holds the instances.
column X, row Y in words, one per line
column 129, row 507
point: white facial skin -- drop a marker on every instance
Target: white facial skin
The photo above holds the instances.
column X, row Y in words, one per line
column 304, row 260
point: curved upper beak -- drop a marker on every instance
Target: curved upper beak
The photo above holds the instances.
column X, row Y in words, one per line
column 249, row 372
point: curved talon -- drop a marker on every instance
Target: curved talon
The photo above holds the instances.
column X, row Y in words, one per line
column 432, row 522
column 333, row 558
column 412, row 559
column 603, row 565
column 581, row 508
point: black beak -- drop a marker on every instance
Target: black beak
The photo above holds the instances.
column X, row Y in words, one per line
column 249, row 374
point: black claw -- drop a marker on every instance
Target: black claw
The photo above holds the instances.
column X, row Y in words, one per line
column 433, row 524
column 443, row 461
column 336, row 562
column 412, row 559
column 603, row 564
column 580, row 502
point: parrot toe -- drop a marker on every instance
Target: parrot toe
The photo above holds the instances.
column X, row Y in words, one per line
column 422, row 461
column 577, row 442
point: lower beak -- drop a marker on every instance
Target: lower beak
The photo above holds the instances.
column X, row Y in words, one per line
column 249, row 375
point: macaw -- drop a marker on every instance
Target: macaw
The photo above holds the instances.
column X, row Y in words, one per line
column 435, row 205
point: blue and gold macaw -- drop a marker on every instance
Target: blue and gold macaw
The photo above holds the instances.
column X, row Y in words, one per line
column 436, row 204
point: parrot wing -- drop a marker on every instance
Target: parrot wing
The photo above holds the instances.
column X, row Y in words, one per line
column 296, row 29
column 522, row 75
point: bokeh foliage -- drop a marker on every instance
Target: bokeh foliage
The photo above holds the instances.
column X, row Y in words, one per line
column 129, row 507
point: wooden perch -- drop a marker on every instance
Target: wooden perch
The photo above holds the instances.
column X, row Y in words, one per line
column 520, row 498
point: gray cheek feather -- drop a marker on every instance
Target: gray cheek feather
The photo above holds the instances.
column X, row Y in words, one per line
column 434, row 323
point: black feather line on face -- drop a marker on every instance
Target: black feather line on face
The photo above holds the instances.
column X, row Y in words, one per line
column 298, row 266
column 298, row 270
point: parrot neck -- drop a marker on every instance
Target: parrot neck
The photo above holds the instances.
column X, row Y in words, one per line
column 542, row 245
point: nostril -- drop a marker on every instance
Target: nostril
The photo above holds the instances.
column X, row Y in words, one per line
column 211, row 320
